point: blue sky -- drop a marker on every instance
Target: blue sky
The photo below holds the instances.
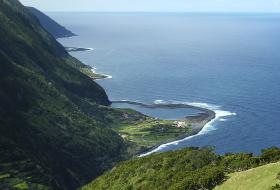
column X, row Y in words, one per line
column 157, row 5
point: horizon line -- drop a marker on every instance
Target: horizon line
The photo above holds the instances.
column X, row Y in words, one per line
column 199, row 12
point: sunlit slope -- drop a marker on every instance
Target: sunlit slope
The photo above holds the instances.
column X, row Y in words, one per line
column 192, row 169
column 261, row 178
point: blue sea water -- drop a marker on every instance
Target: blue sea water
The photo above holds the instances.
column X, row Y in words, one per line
column 159, row 112
column 228, row 62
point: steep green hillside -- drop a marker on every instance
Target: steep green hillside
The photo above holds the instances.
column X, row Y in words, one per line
column 56, row 131
column 191, row 169
column 54, row 123
column 50, row 25
column 187, row 169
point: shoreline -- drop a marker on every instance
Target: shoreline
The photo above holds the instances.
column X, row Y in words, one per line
column 88, row 70
column 198, row 122
column 200, row 131
column 99, row 76
column 157, row 148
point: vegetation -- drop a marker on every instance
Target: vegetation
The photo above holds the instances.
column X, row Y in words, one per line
column 54, row 124
column 190, row 168
column 87, row 71
column 164, row 171
column 57, row 131
column 149, row 132
column 260, row 178
column 277, row 186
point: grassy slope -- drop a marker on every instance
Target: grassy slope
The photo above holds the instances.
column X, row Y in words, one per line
column 260, row 178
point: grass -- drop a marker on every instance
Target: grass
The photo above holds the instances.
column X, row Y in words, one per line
column 22, row 185
column 150, row 132
column 2, row 176
column 260, row 178
column 87, row 71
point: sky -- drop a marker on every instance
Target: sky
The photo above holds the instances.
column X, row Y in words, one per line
column 156, row 5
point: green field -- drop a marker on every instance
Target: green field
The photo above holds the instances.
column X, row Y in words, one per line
column 260, row 178
column 150, row 132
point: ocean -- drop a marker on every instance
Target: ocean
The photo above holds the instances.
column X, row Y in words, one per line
column 226, row 62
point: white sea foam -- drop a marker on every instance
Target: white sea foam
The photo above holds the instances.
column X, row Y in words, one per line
column 89, row 49
column 106, row 76
column 76, row 49
column 220, row 115
column 203, row 105
column 160, row 102
column 93, row 70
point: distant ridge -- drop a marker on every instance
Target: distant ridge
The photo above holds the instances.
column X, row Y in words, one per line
column 50, row 25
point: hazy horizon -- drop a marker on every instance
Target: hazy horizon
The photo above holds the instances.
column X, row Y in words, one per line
column 195, row 6
column 183, row 12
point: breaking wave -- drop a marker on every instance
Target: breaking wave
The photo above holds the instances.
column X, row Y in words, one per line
column 220, row 115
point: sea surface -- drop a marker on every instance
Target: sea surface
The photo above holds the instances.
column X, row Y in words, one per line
column 226, row 62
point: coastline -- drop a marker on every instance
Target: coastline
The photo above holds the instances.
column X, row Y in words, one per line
column 156, row 148
column 196, row 123
column 87, row 69
column 200, row 131
column 183, row 137
column 99, row 76
column 75, row 49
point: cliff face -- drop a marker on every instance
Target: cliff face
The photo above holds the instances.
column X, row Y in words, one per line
column 50, row 25
column 54, row 122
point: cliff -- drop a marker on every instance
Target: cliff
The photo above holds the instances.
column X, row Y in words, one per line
column 50, row 25
column 54, row 121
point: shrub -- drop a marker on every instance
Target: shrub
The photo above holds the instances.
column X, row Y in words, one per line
column 278, row 176
column 239, row 162
column 275, row 187
column 270, row 155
